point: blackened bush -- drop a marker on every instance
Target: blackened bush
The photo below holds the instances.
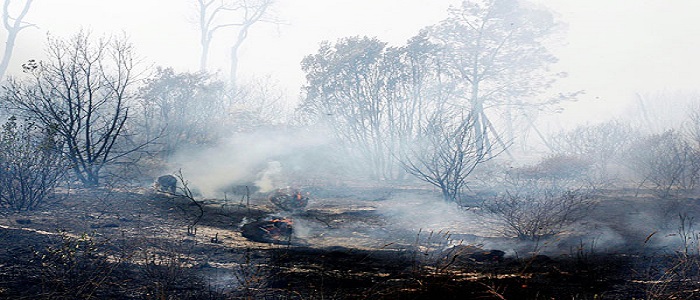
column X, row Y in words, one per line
column 31, row 165
column 558, row 167
column 667, row 163
column 77, row 268
column 536, row 214
column 599, row 145
column 556, row 172
column 167, row 269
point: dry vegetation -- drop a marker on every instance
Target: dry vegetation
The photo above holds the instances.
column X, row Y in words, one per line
column 395, row 151
column 135, row 244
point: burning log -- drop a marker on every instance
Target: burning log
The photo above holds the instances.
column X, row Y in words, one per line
column 273, row 230
column 290, row 199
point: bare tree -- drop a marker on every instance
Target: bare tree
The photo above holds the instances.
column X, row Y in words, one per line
column 257, row 102
column 13, row 27
column 81, row 92
column 344, row 91
column 652, row 113
column 446, row 154
column 214, row 15
column 495, row 47
column 691, row 126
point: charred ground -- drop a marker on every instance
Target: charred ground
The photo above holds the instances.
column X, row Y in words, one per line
column 135, row 244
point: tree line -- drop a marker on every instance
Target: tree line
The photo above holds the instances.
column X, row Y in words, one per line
column 433, row 108
column 443, row 103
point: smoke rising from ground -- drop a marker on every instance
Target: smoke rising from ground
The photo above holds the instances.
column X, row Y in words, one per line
column 270, row 159
column 426, row 211
column 650, row 227
column 264, row 158
column 271, row 177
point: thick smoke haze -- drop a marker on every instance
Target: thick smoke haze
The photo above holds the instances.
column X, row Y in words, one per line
column 267, row 159
column 313, row 149
column 612, row 50
column 633, row 61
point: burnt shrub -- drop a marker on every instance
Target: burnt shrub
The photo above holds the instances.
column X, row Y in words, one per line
column 167, row 270
column 600, row 146
column 536, row 214
column 556, row 171
column 673, row 274
column 31, row 165
column 666, row 163
column 77, row 267
column 541, row 200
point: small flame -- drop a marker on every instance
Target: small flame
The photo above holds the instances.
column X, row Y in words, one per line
column 288, row 221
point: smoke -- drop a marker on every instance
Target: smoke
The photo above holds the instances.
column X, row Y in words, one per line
column 273, row 159
column 428, row 212
column 266, row 158
column 271, row 177
column 414, row 216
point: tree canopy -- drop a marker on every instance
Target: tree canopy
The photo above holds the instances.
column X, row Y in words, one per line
column 486, row 62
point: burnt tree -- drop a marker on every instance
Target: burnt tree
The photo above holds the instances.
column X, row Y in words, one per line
column 446, row 154
column 496, row 49
column 80, row 91
column 376, row 98
column 180, row 109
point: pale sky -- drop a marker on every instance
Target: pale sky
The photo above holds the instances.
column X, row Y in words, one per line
column 612, row 49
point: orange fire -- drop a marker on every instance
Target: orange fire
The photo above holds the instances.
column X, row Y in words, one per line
column 288, row 221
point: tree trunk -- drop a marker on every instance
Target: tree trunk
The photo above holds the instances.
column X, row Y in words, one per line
column 9, row 47
column 242, row 34
column 204, row 56
column 12, row 32
column 477, row 111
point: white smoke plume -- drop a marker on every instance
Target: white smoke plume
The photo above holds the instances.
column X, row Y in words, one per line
column 271, row 177
column 261, row 158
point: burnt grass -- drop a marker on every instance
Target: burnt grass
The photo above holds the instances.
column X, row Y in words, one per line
column 139, row 244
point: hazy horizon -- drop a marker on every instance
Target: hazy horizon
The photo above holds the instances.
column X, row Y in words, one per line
column 612, row 50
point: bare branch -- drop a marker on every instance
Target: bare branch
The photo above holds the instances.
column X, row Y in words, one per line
column 81, row 92
column 240, row 13
column 12, row 32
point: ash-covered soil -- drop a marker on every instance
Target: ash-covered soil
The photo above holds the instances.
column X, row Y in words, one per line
column 348, row 243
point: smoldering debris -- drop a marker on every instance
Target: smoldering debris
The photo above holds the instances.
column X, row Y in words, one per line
column 290, row 199
column 272, row 229
column 278, row 228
